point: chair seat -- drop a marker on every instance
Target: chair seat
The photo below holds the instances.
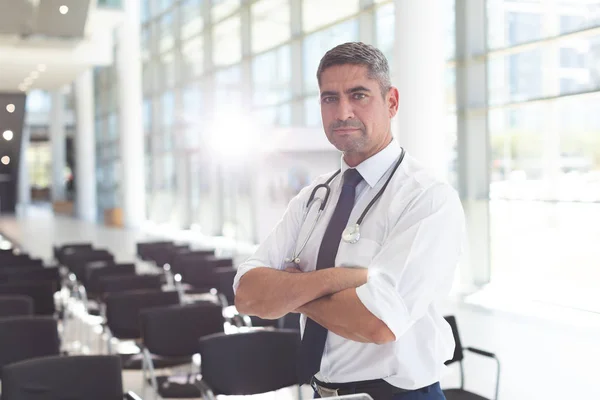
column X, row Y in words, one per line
column 134, row 361
column 459, row 394
column 170, row 387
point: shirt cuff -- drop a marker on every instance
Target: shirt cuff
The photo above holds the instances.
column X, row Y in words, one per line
column 241, row 271
column 380, row 297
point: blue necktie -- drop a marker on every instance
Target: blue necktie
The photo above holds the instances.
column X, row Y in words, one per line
column 315, row 335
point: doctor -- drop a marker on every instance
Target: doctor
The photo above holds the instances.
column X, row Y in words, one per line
column 368, row 301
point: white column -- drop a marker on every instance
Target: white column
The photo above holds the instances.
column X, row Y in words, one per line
column 130, row 117
column 419, row 57
column 85, row 149
column 24, row 186
column 58, row 140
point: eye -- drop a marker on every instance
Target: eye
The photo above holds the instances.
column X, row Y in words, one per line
column 359, row 96
column 328, row 99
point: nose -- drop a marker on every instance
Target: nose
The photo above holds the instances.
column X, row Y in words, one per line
column 344, row 110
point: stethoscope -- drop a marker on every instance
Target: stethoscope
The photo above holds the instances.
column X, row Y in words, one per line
column 352, row 233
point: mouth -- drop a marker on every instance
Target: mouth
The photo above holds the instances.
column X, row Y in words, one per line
column 345, row 130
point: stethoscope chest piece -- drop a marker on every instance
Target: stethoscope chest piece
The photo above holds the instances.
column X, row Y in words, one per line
column 351, row 234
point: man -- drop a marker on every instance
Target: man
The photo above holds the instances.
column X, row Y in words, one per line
column 369, row 315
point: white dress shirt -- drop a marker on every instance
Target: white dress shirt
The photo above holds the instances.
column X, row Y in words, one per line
column 411, row 241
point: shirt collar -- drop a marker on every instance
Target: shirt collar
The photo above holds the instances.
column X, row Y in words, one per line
column 374, row 167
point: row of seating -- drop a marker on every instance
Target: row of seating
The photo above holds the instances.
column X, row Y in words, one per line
column 166, row 322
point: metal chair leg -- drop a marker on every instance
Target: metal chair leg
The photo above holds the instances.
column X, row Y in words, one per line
column 148, row 357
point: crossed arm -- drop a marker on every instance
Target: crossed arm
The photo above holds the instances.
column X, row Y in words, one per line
column 327, row 296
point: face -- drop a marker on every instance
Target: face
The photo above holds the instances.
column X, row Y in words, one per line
column 356, row 117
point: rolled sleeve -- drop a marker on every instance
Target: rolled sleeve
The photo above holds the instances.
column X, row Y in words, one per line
column 279, row 243
column 415, row 266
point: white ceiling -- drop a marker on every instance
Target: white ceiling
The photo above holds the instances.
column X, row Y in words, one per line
column 58, row 59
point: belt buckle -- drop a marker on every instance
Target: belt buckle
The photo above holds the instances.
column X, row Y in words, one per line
column 323, row 391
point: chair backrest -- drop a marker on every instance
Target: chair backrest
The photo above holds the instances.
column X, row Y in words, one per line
column 78, row 259
column 143, row 249
column 174, row 331
column 123, row 283
column 15, row 305
column 29, row 273
column 42, row 293
column 74, row 377
column 20, row 261
column 225, row 277
column 250, row 363
column 123, row 310
column 458, row 350
column 290, row 321
column 22, row 338
column 94, row 275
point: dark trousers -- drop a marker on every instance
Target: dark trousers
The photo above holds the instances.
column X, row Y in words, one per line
column 433, row 392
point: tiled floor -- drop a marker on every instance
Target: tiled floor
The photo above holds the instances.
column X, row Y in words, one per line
column 547, row 356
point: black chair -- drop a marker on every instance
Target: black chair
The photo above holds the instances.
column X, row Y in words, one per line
column 42, row 293
column 144, row 249
column 22, row 338
column 69, row 248
column 76, row 377
column 123, row 283
column 30, row 273
column 94, row 275
column 461, row 393
column 123, row 310
column 248, row 363
column 173, row 332
column 17, row 305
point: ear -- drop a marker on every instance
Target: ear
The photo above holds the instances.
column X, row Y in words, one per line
column 392, row 99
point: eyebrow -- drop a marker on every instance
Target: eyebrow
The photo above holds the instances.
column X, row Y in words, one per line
column 349, row 91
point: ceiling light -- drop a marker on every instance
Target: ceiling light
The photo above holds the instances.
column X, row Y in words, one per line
column 10, row 108
column 42, row 67
column 22, row 87
column 28, row 80
column 35, row 74
column 63, row 9
column 8, row 135
column 5, row 160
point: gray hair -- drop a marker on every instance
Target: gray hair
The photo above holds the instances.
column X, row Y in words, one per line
column 358, row 53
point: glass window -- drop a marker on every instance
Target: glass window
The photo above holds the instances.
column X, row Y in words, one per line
column 38, row 101
column 147, row 115
column 192, row 22
column 270, row 24
column 228, row 94
column 227, row 46
column 312, row 110
column 168, row 70
column 39, row 161
column 318, row 13
column 223, row 8
column 576, row 16
column 145, row 43
column 147, row 77
column 579, row 65
column 271, row 77
column 516, row 77
column 511, row 23
column 192, row 54
column 166, row 32
column 145, row 11
column 318, row 43
column 168, row 109
column 385, row 31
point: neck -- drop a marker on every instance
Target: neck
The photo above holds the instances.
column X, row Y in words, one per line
column 355, row 158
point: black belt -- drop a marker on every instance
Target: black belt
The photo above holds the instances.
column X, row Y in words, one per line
column 377, row 388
